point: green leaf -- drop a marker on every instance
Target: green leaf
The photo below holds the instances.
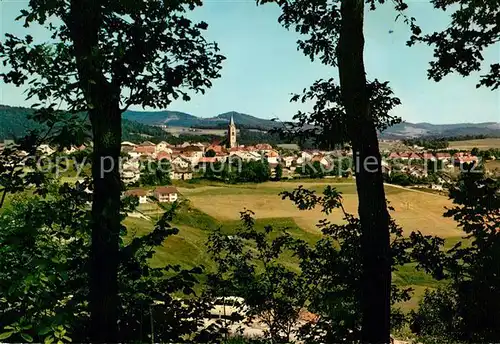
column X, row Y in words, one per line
column 44, row 331
column 27, row 337
column 5, row 335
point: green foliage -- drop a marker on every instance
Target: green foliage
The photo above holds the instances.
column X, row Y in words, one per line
column 467, row 309
column 43, row 274
column 210, row 153
column 430, row 143
column 278, row 172
column 247, row 266
column 327, row 281
column 155, row 173
column 312, row 170
column 239, row 171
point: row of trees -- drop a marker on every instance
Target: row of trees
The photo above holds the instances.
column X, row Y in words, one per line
column 428, row 143
column 239, row 171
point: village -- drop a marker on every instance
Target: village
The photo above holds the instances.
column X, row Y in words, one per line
column 414, row 167
column 406, row 166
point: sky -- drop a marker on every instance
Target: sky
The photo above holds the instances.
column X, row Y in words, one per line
column 263, row 67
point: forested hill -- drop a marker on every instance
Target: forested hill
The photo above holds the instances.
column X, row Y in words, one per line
column 14, row 123
column 181, row 119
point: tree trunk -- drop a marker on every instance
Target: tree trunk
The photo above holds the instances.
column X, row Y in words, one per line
column 372, row 208
column 106, row 128
column 102, row 97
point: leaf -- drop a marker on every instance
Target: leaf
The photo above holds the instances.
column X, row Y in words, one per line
column 44, row 331
column 5, row 335
column 27, row 337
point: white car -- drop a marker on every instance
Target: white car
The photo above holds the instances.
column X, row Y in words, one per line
column 225, row 306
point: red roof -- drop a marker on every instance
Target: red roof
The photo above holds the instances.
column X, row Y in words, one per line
column 163, row 156
column 263, row 146
column 443, row 155
column 428, row 156
column 165, row 190
column 404, row 155
column 215, row 148
column 145, row 149
column 394, row 155
column 207, row 160
column 136, row 192
column 415, row 156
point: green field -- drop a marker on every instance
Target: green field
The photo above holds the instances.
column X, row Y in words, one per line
column 218, row 206
column 481, row 144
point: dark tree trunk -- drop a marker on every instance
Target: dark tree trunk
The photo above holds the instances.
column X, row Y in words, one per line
column 106, row 128
column 376, row 274
column 84, row 23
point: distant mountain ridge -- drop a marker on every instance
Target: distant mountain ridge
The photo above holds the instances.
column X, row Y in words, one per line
column 182, row 119
column 410, row 130
column 399, row 131
column 13, row 121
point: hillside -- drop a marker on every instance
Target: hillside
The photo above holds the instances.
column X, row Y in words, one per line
column 409, row 130
column 15, row 122
column 181, row 119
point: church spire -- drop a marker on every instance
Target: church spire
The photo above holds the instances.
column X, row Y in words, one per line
column 231, row 133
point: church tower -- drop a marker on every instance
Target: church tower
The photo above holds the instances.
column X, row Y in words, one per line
column 231, row 134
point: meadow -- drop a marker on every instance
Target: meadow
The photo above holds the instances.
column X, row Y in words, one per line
column 481, row 144
column 208, row 207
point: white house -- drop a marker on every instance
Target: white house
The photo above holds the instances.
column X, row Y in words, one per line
column 166, row 194
column 141, row 194
column 45, row 149
column 163, row 147
column 288, row 160
column 181, row 162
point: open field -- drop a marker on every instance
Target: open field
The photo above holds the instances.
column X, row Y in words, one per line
column 493, row 165
column 481, row 144
column 218, row 206
column 413, row 210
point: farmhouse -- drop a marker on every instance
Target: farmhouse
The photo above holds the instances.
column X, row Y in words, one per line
column 180, row 173
column 166, row 194
column 393, row 155
column 181, row 162
column 163, row 147
column 145, row 149
column 141, row 194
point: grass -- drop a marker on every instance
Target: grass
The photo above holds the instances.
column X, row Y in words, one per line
column 481, row 144
column 493, row 165
column 224, row 204
column 415, row 210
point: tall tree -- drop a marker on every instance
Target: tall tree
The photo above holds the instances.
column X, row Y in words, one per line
column 108, row 56
column 351, row 112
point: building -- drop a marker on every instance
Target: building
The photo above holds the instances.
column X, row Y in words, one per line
column 443, row 156
column 45, row 149
column 393, row 156
column 231, row 134
column 180, row 173
column 145, row 149
column 181, row 162
column 204, row 163
column 139, row 193
column 163, row 147
column 166, row 194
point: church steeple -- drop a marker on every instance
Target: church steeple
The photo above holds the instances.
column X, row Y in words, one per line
column 231, row 133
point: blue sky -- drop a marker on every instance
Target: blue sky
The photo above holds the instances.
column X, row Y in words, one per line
column 263, row 66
